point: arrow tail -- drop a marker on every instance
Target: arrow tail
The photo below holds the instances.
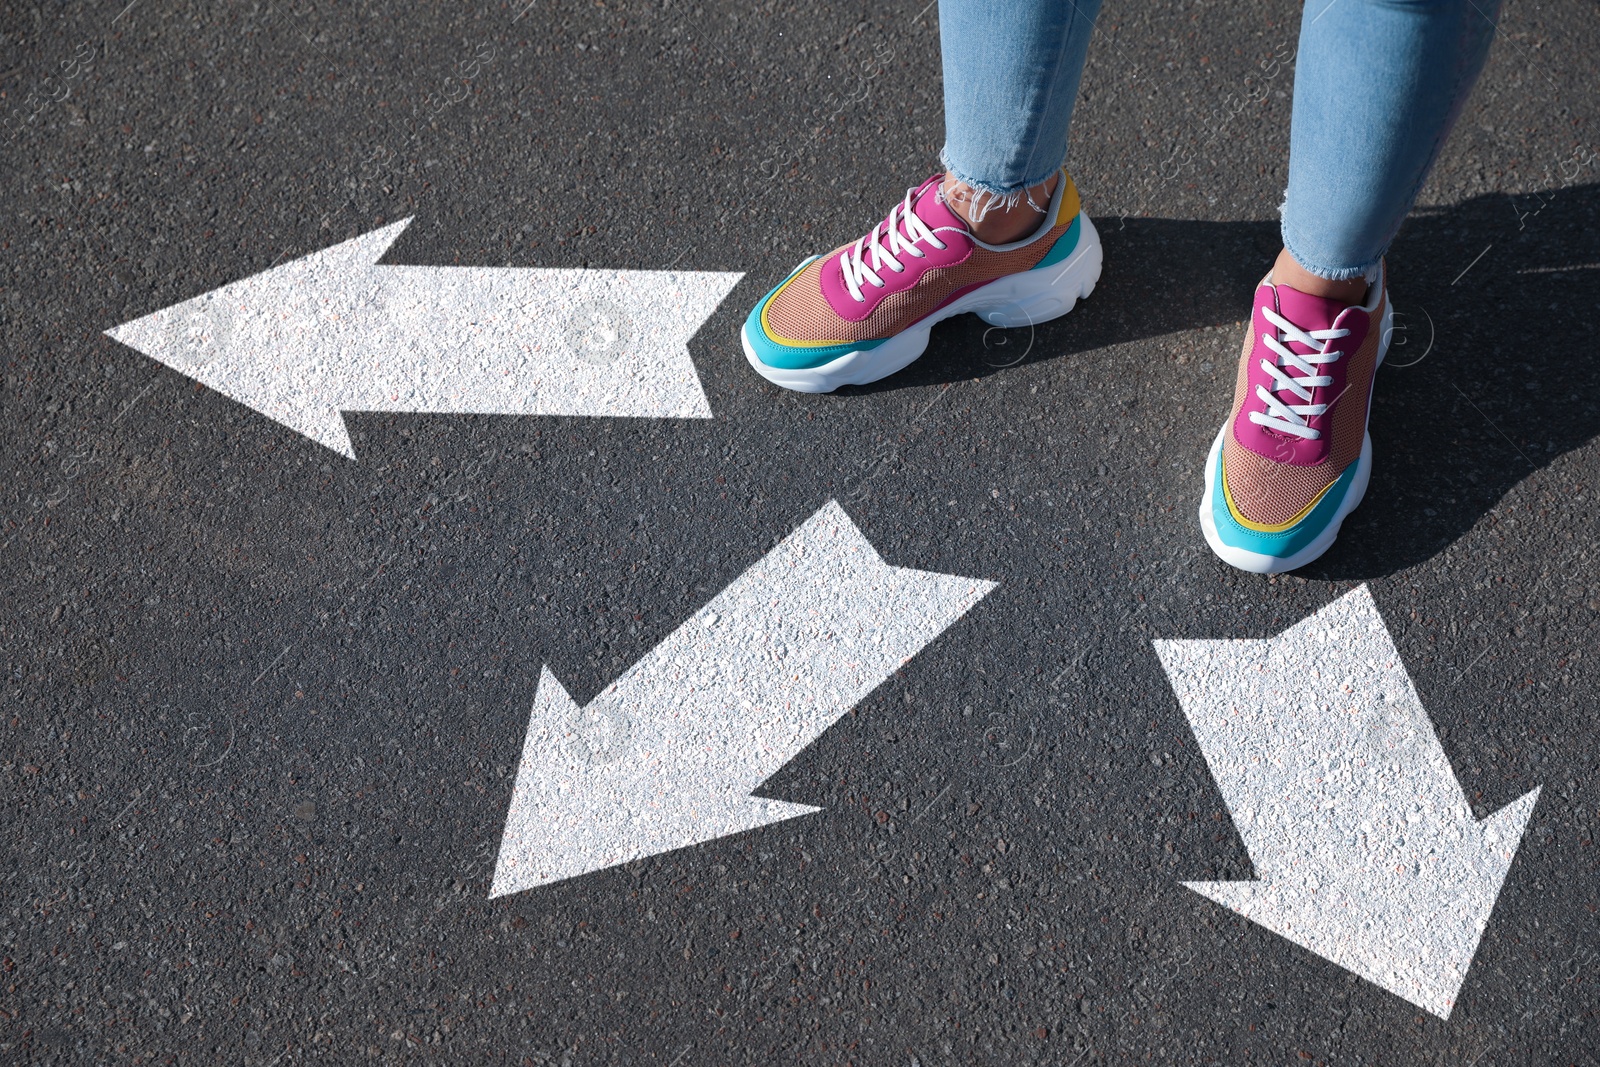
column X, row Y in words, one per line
column 794, row 642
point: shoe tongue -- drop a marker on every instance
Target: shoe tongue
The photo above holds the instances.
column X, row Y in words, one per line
column 1307, row 312
column 932, row 209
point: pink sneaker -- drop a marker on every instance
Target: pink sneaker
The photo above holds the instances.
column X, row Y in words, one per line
column 864, row 310
column 1294, row 457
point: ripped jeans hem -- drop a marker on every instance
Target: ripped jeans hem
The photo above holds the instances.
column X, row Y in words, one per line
column 987, row 196
column 1367, row 270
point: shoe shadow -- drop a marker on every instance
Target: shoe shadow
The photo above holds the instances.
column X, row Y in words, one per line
column 1492, row 373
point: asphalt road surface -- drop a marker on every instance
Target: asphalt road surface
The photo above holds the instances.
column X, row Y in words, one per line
column 265, row 705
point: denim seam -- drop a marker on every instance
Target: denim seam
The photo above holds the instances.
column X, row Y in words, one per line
column 1062, row 49
column 1467, row 73
column 1466, row 76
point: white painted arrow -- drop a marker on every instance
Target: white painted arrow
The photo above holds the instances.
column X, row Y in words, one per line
column 335, row 332
column 1365, row 848
column 668, row 754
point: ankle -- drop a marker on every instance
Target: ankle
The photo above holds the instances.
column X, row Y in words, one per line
column 998, row 223
column 1287, row 271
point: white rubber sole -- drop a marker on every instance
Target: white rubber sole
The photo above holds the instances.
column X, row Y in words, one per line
column 1023, row 299
column 1259, row 563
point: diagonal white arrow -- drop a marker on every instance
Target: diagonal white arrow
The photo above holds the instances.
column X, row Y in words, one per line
column 335, row 331
column 668, row 754
column 1365, row 848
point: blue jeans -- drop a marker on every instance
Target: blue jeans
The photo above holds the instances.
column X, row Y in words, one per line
column 1377, row 86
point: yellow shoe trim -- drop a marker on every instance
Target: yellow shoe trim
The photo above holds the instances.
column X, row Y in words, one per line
column 790, row 341
column 1261, row 527
column 1069, row 201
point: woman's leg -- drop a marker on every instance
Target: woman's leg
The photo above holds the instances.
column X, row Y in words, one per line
column 1011, row 75
column 1377, row 86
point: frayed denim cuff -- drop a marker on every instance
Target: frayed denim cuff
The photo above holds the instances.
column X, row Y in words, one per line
column 991, row 195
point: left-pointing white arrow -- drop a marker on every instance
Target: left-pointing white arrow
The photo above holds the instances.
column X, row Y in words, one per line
column 1365, row 848
column 668, row 754
column 335, row 331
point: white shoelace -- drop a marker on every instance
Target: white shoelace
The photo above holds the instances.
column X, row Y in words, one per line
column 856, row 270
column 1293, row 418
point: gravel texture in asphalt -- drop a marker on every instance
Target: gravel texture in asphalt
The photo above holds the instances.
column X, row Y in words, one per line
column 264, row 704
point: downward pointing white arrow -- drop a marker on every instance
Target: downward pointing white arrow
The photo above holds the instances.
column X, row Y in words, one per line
column 1365, row 848
column 335, row 332
column 667, row 756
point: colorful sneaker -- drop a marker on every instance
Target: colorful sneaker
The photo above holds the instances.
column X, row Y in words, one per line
column 864, row 310
column 1294, row 457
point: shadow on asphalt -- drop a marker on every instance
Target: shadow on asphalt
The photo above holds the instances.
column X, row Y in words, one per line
column 1494, row 372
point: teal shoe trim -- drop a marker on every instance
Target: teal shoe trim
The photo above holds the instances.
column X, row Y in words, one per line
column 1065, row 245
column 1285, row 544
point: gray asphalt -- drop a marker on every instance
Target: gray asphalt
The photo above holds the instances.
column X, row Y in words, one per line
column 263, row 705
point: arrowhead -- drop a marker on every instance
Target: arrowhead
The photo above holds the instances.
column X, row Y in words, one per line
column 671, row 752
column 1412, row 931
column 1365, row 846
column 587, row 797
column 259, row 340
column 334, row 332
